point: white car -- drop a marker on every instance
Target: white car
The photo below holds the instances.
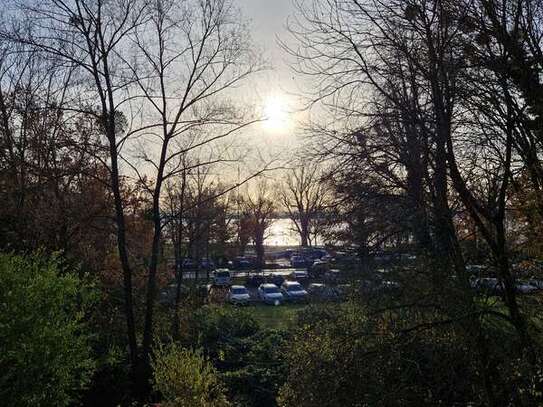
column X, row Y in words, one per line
column 299, row 274
column 270, row 294
column 238, row 295
column 222, row 277
column 525, row 287
column 293, row 291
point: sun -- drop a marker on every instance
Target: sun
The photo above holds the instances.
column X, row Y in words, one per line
column 276, row 115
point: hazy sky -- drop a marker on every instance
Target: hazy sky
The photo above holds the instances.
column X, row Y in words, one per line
column 268, row 19
column 277, row 87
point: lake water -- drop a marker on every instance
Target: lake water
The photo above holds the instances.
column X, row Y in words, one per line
column 282, row 232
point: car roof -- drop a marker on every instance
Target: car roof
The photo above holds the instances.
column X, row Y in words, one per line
column 268, row 285
column 291, row 283
column 238, row 286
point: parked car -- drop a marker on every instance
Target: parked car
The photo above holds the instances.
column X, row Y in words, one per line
column 255, row 280
column 524, row 287
column 293, row 291
column 222, row 277
column 332, row 276
column 239, row 295
column 344, row 290
column 476, row 269
column 243, row 263
column 276, row 279
column 319, row 268
column 312, row 253
column 487, row 285
column 207, row 264
column 389, row 285
column 270, row 294
column 319, row 291
column 536, row 283
column 369, row 286
column 299, row 275
column 298, row 261
column 346, row 258
column 188, row 264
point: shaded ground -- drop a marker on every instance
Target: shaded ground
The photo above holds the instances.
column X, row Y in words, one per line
column 274, row 317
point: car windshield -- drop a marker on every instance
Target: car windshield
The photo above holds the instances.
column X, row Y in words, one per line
column 241, row 290
column 223, row 274
column 294, row 287
column 271, row 290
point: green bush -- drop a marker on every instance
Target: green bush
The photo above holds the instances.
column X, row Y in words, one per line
column 45, row 357
column 343, row 358
column 261, row 371
column 250, row 360
column 185, row 378
column 220, row 331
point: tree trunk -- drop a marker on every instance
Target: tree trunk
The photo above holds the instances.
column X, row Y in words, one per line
column 304, row 232
column 259, row 248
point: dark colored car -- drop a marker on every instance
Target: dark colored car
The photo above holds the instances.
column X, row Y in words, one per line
column 332, row 276
column 312, row 254
column 300, row 262
column 242, row 263
column 487, row 285
column 276, row 279
column 207, row 264
column 299, row 275
column 322, row 292
column 319, row 268
column 188, row 264
column 255, row 280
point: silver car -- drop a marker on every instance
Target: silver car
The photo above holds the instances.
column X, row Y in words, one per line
column 238, row 295
column 270, row 294
column 293, row 291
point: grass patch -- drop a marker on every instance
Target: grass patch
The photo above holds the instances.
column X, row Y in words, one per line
column 275, row 317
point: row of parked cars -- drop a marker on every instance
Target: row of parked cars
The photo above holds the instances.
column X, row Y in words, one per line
column 493, row 286
column 223, row 277
column 269, row 293
column 289, row 291
column 237, row 263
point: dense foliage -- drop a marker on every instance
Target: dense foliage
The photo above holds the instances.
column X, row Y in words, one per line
column 185, row 378
column 46, row 357
column 343, row 356
column 251, row 359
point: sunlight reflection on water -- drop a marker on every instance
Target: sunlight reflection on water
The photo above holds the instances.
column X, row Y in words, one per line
column 282, row 232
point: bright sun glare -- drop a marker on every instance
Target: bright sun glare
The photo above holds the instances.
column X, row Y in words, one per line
column 276, row 115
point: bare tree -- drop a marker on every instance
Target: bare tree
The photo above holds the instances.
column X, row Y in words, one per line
column 305, row 197
column 189, row 55
column 160, row 74
column 406, row 84
column 259, row 208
